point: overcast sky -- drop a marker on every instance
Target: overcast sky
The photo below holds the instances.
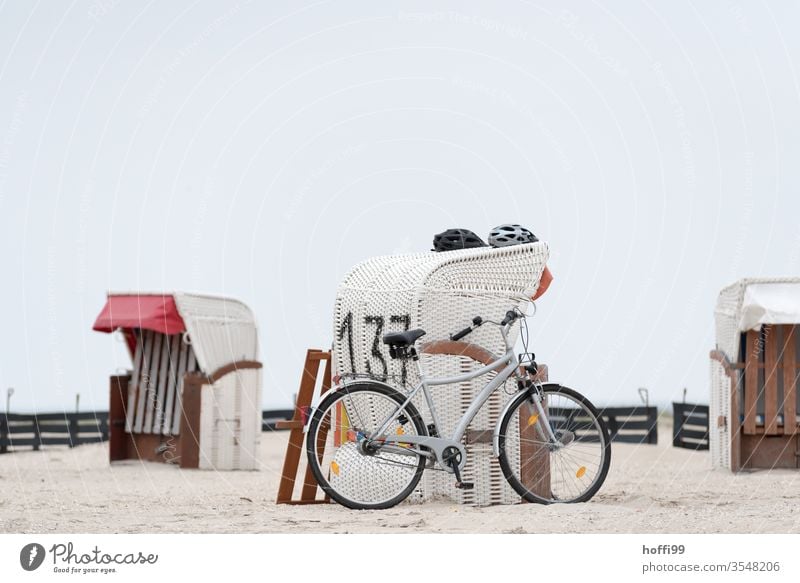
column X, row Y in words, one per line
column 260, row 151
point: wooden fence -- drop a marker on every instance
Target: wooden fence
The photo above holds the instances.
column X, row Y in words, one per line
column 690, row 426
column 626, row 424
column 632, row 424
column 19, row 430
column 269, row 419
column 35, row 430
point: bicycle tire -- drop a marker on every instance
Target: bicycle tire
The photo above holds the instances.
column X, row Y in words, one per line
column 506, row 458
column 315, row 460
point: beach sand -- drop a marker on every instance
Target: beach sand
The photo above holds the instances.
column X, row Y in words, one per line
column 649, row 489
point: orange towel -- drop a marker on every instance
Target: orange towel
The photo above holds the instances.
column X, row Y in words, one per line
column 544, row 283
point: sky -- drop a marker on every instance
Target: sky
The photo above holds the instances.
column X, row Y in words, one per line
column 260, row 150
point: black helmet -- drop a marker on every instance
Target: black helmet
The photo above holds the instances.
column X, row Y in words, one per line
column 506, row 235
column 452, row 239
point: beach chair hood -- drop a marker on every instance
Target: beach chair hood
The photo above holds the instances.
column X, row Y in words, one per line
column 221, row 330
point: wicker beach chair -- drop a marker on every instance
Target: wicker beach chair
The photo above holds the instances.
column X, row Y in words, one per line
column 441, row 293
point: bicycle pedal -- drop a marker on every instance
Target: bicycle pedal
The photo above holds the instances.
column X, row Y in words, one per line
column 465, row 485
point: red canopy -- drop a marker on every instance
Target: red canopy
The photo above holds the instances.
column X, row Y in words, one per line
column 150, row 312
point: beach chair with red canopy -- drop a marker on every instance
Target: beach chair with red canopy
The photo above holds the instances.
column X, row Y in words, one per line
column 193, row 395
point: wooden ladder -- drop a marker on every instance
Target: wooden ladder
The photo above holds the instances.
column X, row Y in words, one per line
column 296, row 446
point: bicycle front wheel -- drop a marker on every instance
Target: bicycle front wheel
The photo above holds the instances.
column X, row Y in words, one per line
column 565, row 462
column 351, row 468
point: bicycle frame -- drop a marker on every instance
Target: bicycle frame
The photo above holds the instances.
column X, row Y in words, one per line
column 512, row 364
column 438, row 444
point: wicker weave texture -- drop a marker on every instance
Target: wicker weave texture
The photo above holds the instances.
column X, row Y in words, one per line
column 230, row 422
column 441, row 293
column 720, row 437
column 222, row 330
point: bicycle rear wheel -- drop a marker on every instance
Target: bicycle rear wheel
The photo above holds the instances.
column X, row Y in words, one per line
column 570, row 469
column 353, row 475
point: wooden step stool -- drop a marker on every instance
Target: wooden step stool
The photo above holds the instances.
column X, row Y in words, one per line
column 296, row 446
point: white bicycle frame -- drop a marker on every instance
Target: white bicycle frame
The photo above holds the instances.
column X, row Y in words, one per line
column 437, row 445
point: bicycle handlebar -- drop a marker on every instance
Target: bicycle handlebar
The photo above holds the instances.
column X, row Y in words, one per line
column 460, row 335
column 511, row 316
column 476, row 321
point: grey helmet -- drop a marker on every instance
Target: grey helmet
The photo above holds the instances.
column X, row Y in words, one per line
column 506, row 235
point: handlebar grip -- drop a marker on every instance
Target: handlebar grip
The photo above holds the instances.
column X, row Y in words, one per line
column 511, row 315
column 476, row 321
column 460, row 335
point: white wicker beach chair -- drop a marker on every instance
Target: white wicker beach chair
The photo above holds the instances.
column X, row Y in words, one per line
column 441, row 293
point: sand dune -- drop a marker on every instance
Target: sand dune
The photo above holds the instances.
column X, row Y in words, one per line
column 649, row 489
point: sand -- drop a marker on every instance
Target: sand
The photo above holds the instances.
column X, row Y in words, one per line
column 649, row 489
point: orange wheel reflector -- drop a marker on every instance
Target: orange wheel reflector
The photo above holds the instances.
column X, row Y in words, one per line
column 400, row 431
column 335, row 468
column 581, row 472
column 533, row 419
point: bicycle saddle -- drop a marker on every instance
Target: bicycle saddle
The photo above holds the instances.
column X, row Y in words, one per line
column 403, row 338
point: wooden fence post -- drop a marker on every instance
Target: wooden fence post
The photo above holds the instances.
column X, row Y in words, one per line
column 652, row 418
column 613, row 427
column 3, row 434
column 73, row 432
column 37, row 437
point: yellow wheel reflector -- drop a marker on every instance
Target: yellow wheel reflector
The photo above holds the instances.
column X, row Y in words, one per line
column 335, row 468
column 533, row 419
column 581, row 472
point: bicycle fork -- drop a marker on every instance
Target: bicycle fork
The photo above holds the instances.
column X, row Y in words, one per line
column 546, row 434
column 544, row 429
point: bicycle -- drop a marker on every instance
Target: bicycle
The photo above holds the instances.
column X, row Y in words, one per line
column 368, row 445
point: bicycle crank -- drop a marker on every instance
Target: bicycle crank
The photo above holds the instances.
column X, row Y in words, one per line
column 452, row 457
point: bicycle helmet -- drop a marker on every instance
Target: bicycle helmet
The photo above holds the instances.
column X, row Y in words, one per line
column 506, row 235
column 453, row 239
